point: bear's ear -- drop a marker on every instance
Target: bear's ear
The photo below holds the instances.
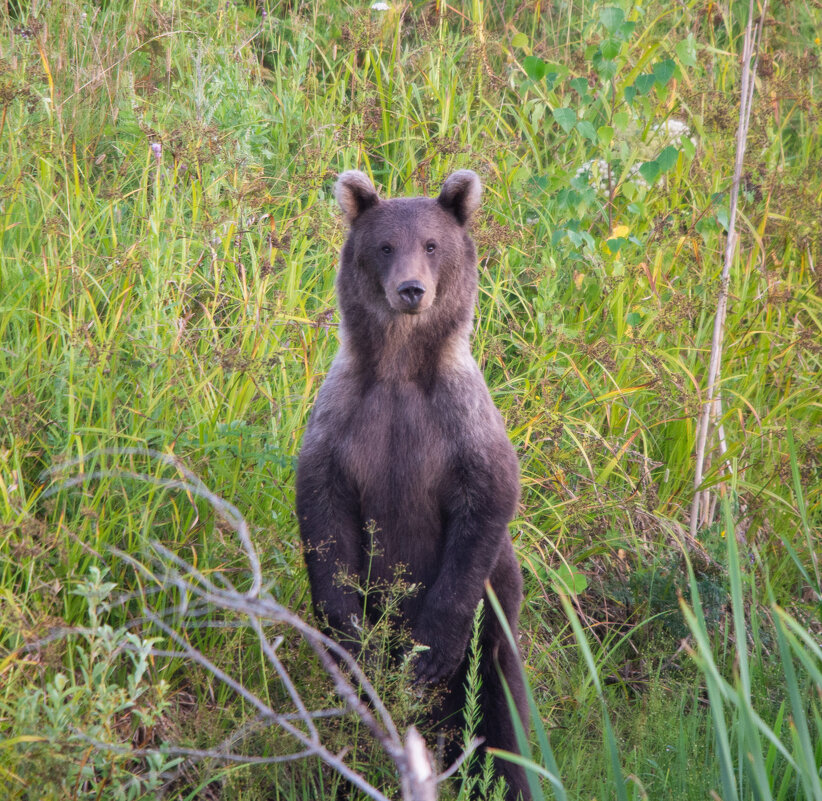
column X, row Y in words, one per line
column 460, row 194
column 355, row 193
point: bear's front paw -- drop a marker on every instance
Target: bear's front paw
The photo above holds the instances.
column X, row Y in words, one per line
column 446, row 649
column 435, row 665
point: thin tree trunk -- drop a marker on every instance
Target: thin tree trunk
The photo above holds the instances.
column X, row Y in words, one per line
column 711, row 412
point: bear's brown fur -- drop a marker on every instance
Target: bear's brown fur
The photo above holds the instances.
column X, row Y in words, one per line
column 404, row 433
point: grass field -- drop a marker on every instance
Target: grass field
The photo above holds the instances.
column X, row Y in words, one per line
column 169, row 242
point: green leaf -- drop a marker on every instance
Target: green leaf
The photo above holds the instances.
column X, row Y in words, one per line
column 587, row 130
column 626, row 30
column 686, row 51
column 556, row 71
column 567, row 199
column 649, row 171
column 519, row 40
column 569, row 580
column 644, row 83
column 622, row 119
column 667, row 158
column 566, row 117
column 633, row 319
column 723, row 217
column 606, row 68
column 535, row 68
column 706, row 227
column 664, row 71
column 609, row 48
column 605, row 134
column 630, row 93
column 580, row 85
column 611, row 18
column 688, row 147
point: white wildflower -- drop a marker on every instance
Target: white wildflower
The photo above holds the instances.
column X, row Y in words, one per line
column 672, row 130
column 597, row 171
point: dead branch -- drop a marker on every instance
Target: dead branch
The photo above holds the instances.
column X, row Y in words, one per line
column 216, row 596
column 711, row 413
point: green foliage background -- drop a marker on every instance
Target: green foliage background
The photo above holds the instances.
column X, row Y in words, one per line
column 169, row 241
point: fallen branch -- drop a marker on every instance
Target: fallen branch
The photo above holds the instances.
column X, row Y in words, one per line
column 215, row 595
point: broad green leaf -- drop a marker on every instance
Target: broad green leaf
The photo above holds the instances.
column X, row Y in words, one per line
column 723, row 218
column 606, row 68
column 686, row 51
column 667, row 158
column 622, row 120
column 611, row 18
column 649, row 171
column 568, row 580
column 605, row 134
column 609, row 48
column 664, row 71
column 580, row 85
column 566, row 117
column 519, row 40
column 556, row 71
column 535, row 68
column 644, row 83
column 587, row 130
column 626, row 30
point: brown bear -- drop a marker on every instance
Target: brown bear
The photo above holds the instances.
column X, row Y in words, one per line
column 405, row 444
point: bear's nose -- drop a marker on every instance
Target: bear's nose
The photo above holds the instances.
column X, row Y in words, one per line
column 411, row 293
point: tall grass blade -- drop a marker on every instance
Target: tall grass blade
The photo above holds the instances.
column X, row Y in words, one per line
column 613, row 751
column 715, row 687
column 807, row 768
column 551, row 769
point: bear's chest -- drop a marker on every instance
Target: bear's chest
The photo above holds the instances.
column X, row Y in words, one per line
column 396, row 454
column 394, row 447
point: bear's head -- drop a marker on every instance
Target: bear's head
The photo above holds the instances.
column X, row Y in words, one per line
column 408, row 256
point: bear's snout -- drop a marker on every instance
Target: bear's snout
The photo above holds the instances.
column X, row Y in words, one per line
column 411, row 293
column 410, row 287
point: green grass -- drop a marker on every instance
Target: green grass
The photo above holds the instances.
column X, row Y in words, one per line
column 181, row 298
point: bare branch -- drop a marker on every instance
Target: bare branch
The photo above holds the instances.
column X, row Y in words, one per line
column 470, row 748
column 208, row 601
column 711, row 412
column 270, row 651
column 419, row 781
column 197, row 753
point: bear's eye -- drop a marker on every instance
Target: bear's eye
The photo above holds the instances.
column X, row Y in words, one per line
column 430, row 247
column 387, row 249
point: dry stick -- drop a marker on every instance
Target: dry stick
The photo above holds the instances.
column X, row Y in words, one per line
column 418, row 779
column 411, row 760
column 312, row 747
column 267, row 608
column 195, row 754
column 712, row 408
